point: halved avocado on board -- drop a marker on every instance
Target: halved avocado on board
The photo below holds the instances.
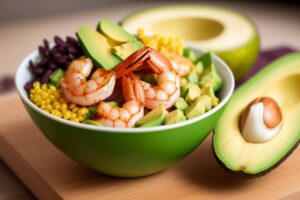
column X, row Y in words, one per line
column 280, row 80
column 229, row 34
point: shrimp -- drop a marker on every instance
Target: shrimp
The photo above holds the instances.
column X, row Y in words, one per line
column 167, row 89
column 87, row 92
column 131, row 111
column 180, row 64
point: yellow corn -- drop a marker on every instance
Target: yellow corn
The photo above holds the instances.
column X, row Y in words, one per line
column 51, row 100
column 161, row 43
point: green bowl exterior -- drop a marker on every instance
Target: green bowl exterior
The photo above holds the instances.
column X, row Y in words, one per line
column 124, row 154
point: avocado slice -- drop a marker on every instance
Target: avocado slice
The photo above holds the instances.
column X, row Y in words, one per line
column 155, row 117
column 124, row 44
column 174, row 117
column 96, row 47
column 124, row 50
column 180, row 104
column 114, row 31
column 280, row 81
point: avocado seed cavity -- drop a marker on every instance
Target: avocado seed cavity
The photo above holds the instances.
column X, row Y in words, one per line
column 261, row 121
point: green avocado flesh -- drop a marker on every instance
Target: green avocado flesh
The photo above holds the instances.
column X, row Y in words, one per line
column 124, row 50
column 155, row 117
column 96, row 47
column 280, row 80
column 124, row 44
column 174, row 117
column 229, row 34
column 114, row 31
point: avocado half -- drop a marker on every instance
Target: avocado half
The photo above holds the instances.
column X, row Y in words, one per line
column 229, row 34
column 280, row 80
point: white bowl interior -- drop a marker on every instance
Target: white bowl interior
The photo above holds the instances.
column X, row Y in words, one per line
column 23, row 75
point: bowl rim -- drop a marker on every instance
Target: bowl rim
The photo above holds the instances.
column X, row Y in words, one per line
column 21, row 92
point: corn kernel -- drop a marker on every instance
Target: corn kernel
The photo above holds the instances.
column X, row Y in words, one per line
column 52, row 88
column 49, row 107
column 75, row 110
column 83, row 111
column 36, row 84
column 45, row 95
column 44, row 87
column 48, row 101
column 67, row 114
column 73, row 115
column 72, row 105
column 75, row 120
column 57, row 107
column 80, row 118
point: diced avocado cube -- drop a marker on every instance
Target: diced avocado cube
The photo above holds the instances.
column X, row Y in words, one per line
column 92, row 122
column 190, row 54
column 149, row 78
column 193, row 77
column 207, row 100
column 56, row 76
column 194, row 110
column 113, row 103
column 174, row 117
column 185, row 90
column 211, row 77
column 91, row 113
column 180, row 104
column 155, row 117
column 199, row 68
column 205, row 59
column 210, row 92
column 186, row 52
column 193, row 92
column 183, row 81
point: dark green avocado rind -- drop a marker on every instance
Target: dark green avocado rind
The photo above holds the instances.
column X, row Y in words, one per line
column 274, row 66
column 247, row 175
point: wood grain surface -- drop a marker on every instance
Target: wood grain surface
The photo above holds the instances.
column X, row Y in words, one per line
column 51, row 175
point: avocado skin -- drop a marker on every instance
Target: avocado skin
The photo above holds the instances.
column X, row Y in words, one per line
column 246, row 175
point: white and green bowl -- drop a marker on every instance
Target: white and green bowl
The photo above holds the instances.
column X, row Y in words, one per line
column 125, row 152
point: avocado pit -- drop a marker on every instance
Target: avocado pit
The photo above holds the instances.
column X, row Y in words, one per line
column 261, row 121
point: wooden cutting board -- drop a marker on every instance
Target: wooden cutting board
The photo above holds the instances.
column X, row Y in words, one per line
column 51, row 175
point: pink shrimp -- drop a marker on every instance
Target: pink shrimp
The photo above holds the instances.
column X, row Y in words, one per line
column 180, row 64
column 87, row 92
column 131, row 111
column 167, row 89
